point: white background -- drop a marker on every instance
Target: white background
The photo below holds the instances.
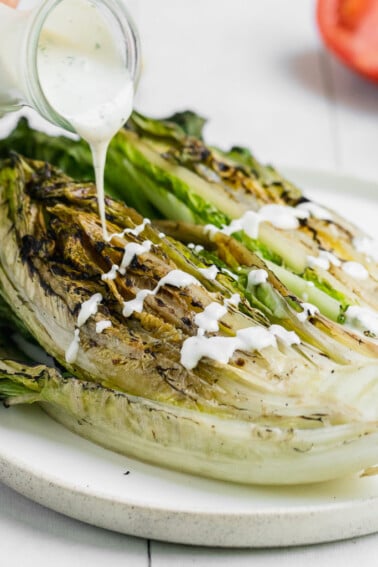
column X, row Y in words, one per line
column 257, row 70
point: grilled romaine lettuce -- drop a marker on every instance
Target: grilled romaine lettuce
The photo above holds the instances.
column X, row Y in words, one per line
column 280, row 399
column 165, row 170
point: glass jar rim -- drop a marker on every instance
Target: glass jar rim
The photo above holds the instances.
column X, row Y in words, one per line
column 38, row 98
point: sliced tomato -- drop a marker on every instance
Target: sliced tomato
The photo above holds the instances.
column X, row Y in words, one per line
column 350, row 30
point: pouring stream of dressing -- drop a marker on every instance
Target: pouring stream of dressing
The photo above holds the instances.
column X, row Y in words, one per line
column 84, row 77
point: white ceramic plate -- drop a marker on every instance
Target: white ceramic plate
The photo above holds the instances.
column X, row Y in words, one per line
column 45, row 462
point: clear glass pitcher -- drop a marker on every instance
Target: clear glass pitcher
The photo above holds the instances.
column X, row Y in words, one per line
column 20, row 32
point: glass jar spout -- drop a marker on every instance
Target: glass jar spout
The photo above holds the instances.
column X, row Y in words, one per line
column 21, row 46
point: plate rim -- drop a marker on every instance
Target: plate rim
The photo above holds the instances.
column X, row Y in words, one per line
column 270, row 528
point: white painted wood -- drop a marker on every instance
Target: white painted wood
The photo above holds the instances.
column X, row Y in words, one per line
column 356, row 118
column 35, row 536
column 257, row 70
column 351, row 553
column 253, row 68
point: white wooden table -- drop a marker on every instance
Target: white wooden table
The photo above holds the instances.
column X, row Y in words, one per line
column 258, row 71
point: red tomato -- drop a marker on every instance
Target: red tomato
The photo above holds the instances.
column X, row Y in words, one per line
column 350, row 29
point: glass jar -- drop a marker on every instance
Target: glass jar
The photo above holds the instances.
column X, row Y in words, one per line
column 20, row 32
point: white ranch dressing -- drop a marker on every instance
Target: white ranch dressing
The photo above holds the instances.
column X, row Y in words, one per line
column 234, row 300
column 101, row 326
column 334, row 260
column 280, row 216
column 362, row 319
column 208, row 320
column 256, row 277
column 87, row 309
column 197, row 248
column 309, row 310
column 355, row 270
column 323, row 260
column 289, row 338
column 221, row 349
column 367, row 246
column 111, row 274
column 132, row 250
column 73, row 349
column 305, row 294
column 315, row 211
column 229, row 273
column 175, row 278
column 136, row 231
column 209, row 273
column 83, row 75
column 318, row 262
column 249, row 222
column 136, row 305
